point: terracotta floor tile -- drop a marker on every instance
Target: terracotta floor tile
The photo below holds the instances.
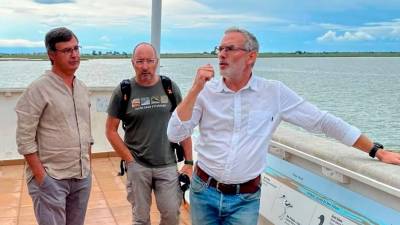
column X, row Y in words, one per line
column 9, row 199
column 110, row 173
column 24, row 186
column 116, row 198
column 155, row 218
column 102, row 221
column 26, row 200
column 8, row 212
column 114, row 159
column 107, row 203
column 111, row 184
column 13, row 172
column 95, row 188
column 9, row 185
column 126, row 220
column 99, row 213
column 27, row 220
column 97, row 204
column 103, row 165
column 101, row 160
column 26, row 211
column 8, row 221
column 97, row 200
column 121, row 211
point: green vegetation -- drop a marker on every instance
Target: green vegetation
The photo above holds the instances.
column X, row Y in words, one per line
column 117, row 55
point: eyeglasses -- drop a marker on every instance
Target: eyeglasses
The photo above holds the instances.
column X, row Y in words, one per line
column 229, row 49
column 148, row 61
column 69, row 51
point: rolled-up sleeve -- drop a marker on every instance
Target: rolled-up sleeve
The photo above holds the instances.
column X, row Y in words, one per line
column 29, row 109
column 177, row 130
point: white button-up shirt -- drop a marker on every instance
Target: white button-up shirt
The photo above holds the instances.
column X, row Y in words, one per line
column 236, row 127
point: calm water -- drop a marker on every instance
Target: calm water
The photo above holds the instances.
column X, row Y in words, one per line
column 362, row 91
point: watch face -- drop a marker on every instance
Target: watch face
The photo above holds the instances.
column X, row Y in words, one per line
column 378, row 145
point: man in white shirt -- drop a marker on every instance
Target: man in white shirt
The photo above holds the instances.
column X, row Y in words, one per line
column 237, row 115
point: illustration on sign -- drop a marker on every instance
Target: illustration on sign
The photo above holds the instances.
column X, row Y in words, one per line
column 294, row 196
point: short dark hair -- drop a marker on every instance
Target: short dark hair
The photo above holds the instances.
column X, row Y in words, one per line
column 59, row 34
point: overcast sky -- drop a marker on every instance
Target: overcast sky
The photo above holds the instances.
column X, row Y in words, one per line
column 197, row 26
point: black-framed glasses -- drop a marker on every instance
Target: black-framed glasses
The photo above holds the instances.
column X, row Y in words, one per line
column 148, row 61
column 229, row 49
column 69, row 51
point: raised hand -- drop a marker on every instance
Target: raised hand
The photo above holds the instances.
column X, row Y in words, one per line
column 204, row 74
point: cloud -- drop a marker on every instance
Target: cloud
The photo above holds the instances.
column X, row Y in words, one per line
column 347, row 36
column 135, row 13
column 396, row 31
column 217, row 20
column 105, row 38
column 384, row 30
column 99, row 13
column 53, row 1
column 96, row 47
column 20, row 43
column 332, row 26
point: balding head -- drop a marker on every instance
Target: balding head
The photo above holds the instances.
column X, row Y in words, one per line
column 144, row 61
column 141, row 45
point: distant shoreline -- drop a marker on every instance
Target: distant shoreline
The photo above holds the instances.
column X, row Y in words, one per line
column 43, row 56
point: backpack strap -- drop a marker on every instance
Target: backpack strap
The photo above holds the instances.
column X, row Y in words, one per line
column 167, row 85
column 125, row 86
column 126, row 94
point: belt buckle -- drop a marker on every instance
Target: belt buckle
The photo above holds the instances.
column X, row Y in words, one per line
column 224, row 188
column 217, row 187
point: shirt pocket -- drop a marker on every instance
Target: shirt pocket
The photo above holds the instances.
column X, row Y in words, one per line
column 260, row 123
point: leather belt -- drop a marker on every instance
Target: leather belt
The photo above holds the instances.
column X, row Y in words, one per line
column 250, row 186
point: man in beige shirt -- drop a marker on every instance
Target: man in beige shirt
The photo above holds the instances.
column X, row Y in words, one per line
column 54, row 135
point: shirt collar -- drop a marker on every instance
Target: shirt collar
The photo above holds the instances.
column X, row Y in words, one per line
column 53, row 75
column 221, row 86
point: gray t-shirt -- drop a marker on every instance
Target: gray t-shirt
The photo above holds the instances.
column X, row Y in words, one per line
column 148, row 113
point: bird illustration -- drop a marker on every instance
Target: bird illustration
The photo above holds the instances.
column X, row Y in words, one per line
column 321, row 219
column 286, row 205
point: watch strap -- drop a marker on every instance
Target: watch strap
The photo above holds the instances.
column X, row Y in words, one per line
column 188, row 162
column 374, row 149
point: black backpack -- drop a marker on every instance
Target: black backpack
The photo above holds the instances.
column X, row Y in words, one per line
column 126, row 94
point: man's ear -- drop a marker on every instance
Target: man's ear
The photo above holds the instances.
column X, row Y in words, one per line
column 51, row 55
column 252, row 57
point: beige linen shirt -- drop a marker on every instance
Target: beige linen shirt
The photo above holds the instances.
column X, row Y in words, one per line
column 54, row 121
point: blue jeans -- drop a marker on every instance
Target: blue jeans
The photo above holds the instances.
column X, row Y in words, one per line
column 211, row 207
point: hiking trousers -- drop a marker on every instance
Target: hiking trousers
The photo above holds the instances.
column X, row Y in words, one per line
column 141, row 181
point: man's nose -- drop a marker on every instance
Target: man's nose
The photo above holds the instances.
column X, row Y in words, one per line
column 222, row 54
column 145, row 65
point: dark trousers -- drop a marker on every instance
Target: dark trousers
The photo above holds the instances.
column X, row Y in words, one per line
column 60, row 202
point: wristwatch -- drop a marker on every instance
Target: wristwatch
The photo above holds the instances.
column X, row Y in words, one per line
column 188, row 162
column 375, row 148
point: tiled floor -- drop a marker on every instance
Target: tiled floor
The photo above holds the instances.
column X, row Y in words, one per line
column 107, row 203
